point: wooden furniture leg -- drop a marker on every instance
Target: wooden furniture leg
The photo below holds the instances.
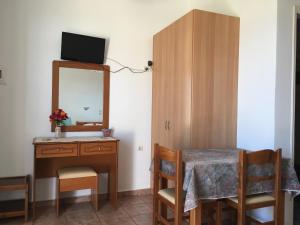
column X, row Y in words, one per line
column 113, row 184
column 57, row 196
column 280, row 212
column 33, row 189
column 108, row 184
column 26, row 200
column 195, row 215
column 219, row 213
column 155, row 209
column 163, row 208
column 97, row 193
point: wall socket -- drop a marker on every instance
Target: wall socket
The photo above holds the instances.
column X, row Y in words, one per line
column 2, row 75
column 141, row 148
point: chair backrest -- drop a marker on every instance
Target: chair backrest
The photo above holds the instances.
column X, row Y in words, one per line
column 161, row 177
column 259, row 158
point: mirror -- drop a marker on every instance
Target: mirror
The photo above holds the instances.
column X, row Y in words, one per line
column 86, row 86
column 82, row 91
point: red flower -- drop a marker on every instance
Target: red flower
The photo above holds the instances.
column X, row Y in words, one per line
column 58, row 116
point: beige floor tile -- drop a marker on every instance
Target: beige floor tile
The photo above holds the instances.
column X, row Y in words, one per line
column 108, row 211
column 137, row 209
column 132, row 200
column 117, row 221
column 82, row 218
column 47, row 215
column 148, row 199
column 143, row 219
column 77, row 207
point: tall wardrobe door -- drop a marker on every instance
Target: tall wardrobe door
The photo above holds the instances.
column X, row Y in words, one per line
column 163, row 70
column 180, row 84
column 202, row 85
column 214, row 85
column 224, row 123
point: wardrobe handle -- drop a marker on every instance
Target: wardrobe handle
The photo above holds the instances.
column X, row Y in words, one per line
column 169, row 127
column 166, row 125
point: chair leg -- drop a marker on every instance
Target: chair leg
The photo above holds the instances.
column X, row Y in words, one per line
column 163, row 210
column 57, row 196
column 178, row 216
column 241, row 217
column 155, row 210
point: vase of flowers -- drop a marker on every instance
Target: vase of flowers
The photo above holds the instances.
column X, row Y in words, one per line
column 58, row 117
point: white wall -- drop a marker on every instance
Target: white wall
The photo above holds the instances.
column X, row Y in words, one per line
column 285, row 81
column 285, row 77
column 30, row 40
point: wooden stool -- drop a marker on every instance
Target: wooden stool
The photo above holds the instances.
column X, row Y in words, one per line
column 15, row 208
column 77, row 178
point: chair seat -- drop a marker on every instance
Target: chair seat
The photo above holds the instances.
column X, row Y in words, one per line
column 76, row 172
column 169, row 194
column 255, row 199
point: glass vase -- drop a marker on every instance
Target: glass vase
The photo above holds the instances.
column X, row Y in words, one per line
column 58, row 133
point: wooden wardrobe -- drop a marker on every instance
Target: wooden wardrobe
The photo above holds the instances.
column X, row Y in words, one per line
column 195, row 77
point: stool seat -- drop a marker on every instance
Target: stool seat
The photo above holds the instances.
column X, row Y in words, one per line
column 75, row 172
column 74, row 179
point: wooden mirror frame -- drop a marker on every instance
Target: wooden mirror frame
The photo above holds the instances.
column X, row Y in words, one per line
column 55, row 93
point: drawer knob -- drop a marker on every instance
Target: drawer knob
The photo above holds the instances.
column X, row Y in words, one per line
column 99, row 148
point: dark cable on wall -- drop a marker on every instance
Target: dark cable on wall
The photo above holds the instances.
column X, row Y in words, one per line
column 131, row 69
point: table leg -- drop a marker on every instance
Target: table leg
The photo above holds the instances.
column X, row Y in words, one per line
column 33, row 196
column 281, row 209
column 113, row 184
column 195, row 215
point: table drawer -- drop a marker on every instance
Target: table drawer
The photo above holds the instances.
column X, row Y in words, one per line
column 98, row 148
column 56, row 150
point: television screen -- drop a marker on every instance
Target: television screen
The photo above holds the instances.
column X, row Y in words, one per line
column 82, row 48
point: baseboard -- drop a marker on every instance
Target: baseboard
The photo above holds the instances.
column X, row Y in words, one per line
column 139, row 192
column 72, row 200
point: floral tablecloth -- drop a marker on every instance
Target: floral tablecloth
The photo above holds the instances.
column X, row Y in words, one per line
column 213, row 174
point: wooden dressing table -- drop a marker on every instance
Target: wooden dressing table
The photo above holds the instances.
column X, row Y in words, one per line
column 99, row 153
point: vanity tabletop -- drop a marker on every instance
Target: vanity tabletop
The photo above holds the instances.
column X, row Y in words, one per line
column 44, row 140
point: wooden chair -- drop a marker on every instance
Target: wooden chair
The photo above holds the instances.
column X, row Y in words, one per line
column 77, row 178
column 246, row 202
column 172, row 197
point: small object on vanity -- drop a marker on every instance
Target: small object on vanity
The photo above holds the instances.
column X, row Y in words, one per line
column 15, row 208
column 58, row 117
column 58, row 133
column 107, row 132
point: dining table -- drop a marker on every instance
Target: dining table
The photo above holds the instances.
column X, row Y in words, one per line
column 211, row 174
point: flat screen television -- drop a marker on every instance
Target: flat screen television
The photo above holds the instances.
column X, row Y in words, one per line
column 82, row 48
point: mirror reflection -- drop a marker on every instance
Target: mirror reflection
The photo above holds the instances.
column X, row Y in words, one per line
column 81, row 96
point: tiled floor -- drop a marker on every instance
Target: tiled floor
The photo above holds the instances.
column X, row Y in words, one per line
column 297, row 210
column 135, row 210
column 131, row 211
